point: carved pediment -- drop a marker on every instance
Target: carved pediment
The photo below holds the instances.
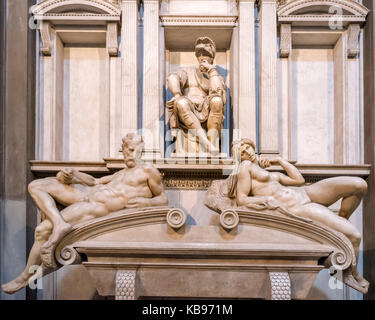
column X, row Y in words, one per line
column 73, row 8
column 321, row 11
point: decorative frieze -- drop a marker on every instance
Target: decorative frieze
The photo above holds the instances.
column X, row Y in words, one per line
column 200, row 21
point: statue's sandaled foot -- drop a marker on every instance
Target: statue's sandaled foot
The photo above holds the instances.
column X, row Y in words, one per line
column 15, row 285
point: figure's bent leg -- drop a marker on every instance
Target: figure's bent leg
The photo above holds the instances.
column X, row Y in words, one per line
column 188, row 118
column 44, row 193
column 328, row 191
column 76, row 213
column 320, row 213
column 215, row 121
column 42, row 233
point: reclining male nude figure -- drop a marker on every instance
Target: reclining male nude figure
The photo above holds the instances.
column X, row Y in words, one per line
column 87, row 198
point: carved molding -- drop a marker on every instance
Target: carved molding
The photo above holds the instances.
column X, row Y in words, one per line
column 45, row 35
column 353, row 35
column 280, row 286
column 112, row 39
column 122, row 219
column 201, row 21
column 343, row 256
column 285, row 40
column 125, row 285
column 342, row 253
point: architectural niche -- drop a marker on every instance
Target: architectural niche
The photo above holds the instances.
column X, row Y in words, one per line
column 82, row 14
column 331, row 14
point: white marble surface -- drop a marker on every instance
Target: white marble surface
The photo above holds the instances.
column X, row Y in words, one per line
column 312, row 116
column 86, row 112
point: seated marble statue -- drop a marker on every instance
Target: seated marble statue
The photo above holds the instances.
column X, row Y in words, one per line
column 199, row 98
column 253, row 187
column 87, row 198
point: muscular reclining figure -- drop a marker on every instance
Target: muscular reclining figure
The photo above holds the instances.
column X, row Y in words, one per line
column 87, row 198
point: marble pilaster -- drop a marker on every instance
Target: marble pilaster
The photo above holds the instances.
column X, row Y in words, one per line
column 129, row 54
column 268, row 106
column 151, row 80
column 246, row 70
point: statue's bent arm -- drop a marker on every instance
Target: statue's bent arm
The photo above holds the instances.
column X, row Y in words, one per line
column 217, row 84
column 177, row 82
column 293, row 177
column 155, row 183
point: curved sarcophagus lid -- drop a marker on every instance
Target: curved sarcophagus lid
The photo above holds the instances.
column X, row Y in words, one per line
column 157, row 243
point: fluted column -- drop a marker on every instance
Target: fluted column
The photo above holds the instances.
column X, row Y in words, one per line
column 151, row 79
column 268, row 104
column 129, row 54
column 246, row 70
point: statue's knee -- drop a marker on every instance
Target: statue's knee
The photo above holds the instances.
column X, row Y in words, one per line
column 33, row 186
column 43, row 231
column 360, row 185
column 183, row 106
column 37, row 185
column 216, row 104
column 355, row 237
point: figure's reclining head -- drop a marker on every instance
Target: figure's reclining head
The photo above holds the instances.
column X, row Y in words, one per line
column 132, row 147
column 244, row 149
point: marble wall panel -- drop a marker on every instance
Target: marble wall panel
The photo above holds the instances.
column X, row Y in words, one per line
column 312, row 105
column 86, row 110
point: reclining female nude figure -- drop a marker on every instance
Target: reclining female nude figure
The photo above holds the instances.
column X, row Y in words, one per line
column 87, row 198
column 254, row 187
